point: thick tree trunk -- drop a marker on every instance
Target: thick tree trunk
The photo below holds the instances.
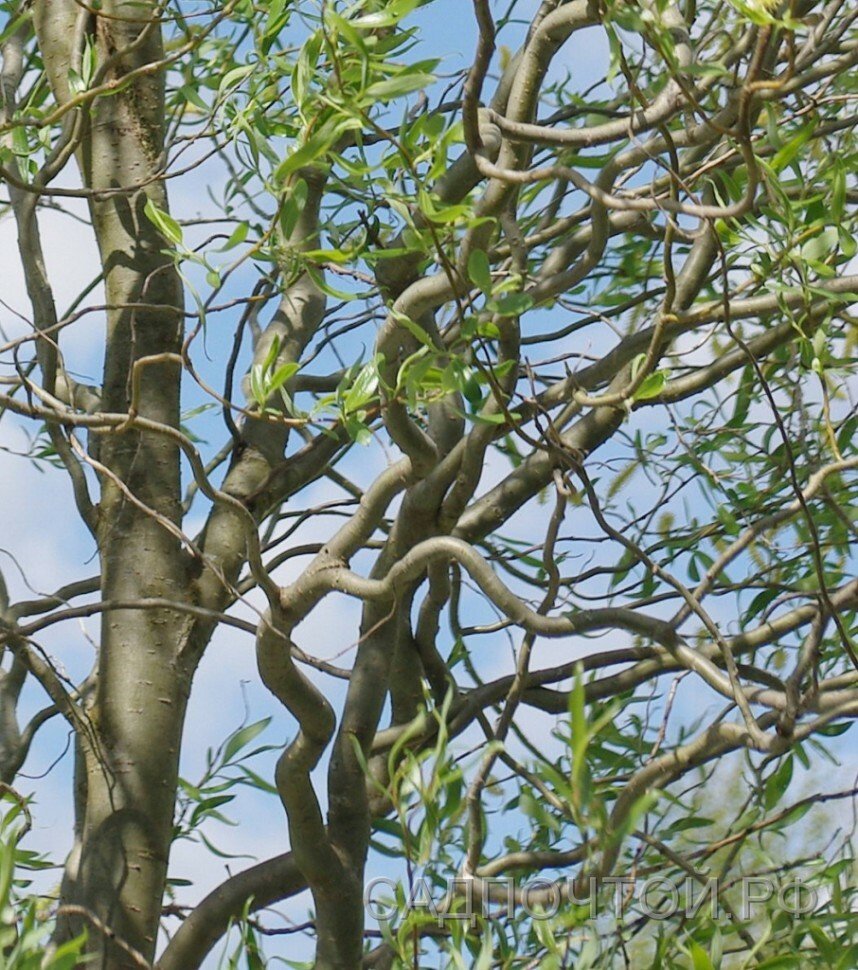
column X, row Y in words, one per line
column 131, row 754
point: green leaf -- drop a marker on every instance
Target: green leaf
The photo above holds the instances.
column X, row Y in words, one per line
column 257, row 781
column 358, row 432
column 690, row 822
column 305, row 66
column 838, row 192
column 363, row 389
column 237, row 237
column 257, row 386
column 243, row 737
column 512, row 304
column 163, row 222
column 316, row 146
column 479, row 270
column 283, row 373
column 699, row 957
column 271, row 354
column 414, row 329
column 651, row 387
column 794, row 814
column 76, row 83
column 396, row 87
column 304, row 155
column 191, row 94
column 473, row 391
column 777, row 784
column 482, row 418
column 231, row 78
column 395, row 11
column 821, row 245
column 760, row 602
column 790, row 150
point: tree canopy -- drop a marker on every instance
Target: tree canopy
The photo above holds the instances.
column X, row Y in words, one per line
column 490, row 367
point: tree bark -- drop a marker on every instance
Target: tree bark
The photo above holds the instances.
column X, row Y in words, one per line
column 131, row 755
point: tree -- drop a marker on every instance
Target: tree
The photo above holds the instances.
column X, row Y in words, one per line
column 565, row 333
